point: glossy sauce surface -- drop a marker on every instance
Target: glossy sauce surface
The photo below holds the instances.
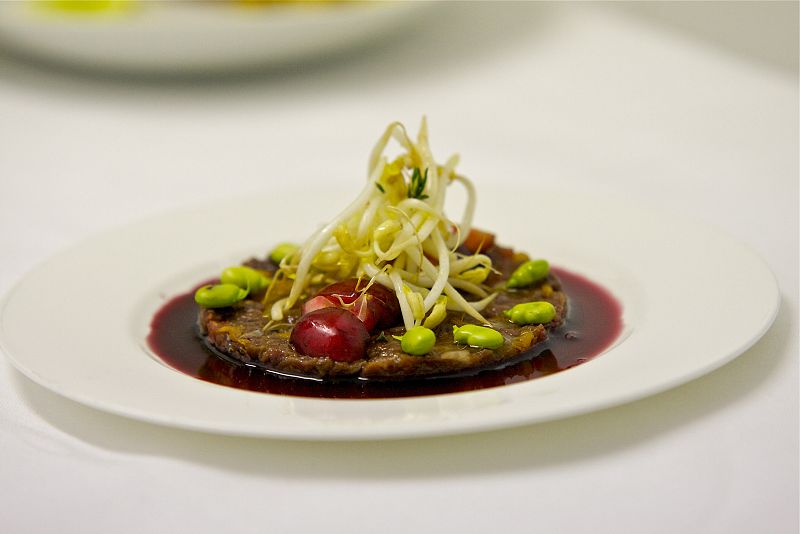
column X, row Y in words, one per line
column 593, row 322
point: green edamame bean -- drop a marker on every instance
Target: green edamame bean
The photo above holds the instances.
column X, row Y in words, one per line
column 281, row 251
column 245, row 277
column 539, row 312
column 418, row 341
column 528, row 273
column 219, row 295
column 478, row 336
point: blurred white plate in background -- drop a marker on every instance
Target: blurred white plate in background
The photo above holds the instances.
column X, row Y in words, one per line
column 195, row 37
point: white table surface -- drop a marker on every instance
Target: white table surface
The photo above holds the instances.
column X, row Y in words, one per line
column 591, row 98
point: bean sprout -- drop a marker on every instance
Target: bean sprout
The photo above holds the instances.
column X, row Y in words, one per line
column 396, row 233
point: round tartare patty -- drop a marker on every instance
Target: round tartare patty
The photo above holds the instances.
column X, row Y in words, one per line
column 241, row 332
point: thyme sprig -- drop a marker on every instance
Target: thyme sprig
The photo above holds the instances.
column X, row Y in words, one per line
column 416, row 188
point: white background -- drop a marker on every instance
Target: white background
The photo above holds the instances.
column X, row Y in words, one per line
column 693, row 109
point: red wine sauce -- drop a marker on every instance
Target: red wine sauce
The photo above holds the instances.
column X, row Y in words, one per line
column 594, row 321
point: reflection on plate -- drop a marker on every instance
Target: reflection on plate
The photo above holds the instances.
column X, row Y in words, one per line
column 194, row 37
column 679, row 284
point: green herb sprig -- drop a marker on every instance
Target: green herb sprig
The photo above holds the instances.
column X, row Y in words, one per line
column 416, row 188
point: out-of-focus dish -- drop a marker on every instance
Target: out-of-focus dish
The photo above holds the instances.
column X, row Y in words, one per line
column 195, row 37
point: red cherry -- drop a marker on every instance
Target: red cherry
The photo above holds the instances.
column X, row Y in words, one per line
column 330, row 332
column 385, row 306
column 361, row 307
column 377, row 307
column 317, row 303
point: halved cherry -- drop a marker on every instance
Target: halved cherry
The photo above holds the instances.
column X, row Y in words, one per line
column 377, row 307
column 330, row 332
column 317, row 303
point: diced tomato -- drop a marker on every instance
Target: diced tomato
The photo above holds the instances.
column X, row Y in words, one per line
column 478, row 241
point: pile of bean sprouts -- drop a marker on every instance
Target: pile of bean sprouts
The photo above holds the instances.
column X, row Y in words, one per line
column 398, row 236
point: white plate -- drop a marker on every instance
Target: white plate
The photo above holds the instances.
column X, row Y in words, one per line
column 77, row 323
column 181, row 37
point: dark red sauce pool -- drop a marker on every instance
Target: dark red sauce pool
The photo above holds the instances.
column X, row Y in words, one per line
column 594, row 321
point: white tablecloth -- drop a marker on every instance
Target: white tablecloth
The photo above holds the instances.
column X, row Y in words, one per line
column 593, row 98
